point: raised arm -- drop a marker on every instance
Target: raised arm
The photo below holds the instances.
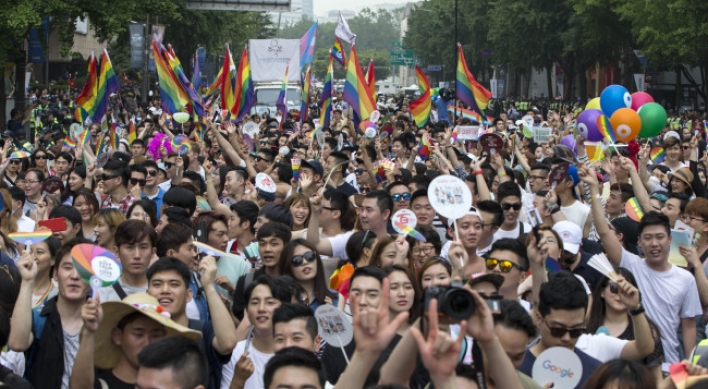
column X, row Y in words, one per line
column 324, row 247
column 639, row 191
column 482, row 188
column 83, row 372
column 213, row 197
column 21, row 323
column 224, row 328
column 224, row 143
column 643, row 344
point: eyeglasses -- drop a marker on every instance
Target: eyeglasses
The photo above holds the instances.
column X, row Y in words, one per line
column 425, row 250
column 558, row 332
column 537, row 178
column 504, row 265
column 398, row 196
column 137, row 181
column 106, row 177
column 299, row 260
column 152, row 172
column 15, row 161
column 508, row 206
column 40, row 157
column 687, row 217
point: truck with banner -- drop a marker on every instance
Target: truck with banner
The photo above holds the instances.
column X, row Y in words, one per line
column 270, row 58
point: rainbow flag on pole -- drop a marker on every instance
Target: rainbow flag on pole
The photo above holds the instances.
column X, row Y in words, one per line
column 282, row 103
column 356, row 92
column 174, row 98
column 469, row 91
column 421, row 107
column 196, row 105
column 86, row 101
column 244, row 95
column 337, row 52
column 306, row 84
column 307, row 46
column 326, row 98
column 226, row 81
column 107, row 84
column 371, row 79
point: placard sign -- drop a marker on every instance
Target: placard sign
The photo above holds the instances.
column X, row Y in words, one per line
column 334, row 327
column 450, row 196
column 491, row 143
column 403, row 218
column 265, row 183
column 541, row 134
column 558, row 365
column 467, row 132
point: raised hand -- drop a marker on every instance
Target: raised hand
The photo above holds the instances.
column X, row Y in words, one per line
column 629, row 295
column 27, row 266
column 207, row 266
column 92, row 314
column 439, row 352
column 373, row 331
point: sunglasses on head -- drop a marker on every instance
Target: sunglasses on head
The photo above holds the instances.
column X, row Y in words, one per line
column 137, row 181
column 398, row 196
column 557, row 332
column 299, row 260
column 504, row 265
column 508, row 206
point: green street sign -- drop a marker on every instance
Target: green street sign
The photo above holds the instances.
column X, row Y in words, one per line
column 397, row 43
column 403, row 57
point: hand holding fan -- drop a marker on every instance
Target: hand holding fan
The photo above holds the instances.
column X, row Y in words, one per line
column 181, row 144
column 97, row 266
column 558, row 174
column 600, row 263
column 404, row 222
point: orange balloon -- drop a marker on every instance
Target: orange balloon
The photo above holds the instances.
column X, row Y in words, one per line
column 626, row 123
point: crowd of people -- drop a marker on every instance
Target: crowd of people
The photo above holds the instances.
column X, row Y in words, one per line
column 241, row 314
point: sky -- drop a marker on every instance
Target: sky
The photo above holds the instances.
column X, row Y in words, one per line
column 324, row 6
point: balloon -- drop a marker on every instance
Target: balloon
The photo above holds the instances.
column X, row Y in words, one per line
column 569, row 141
column 593, row 104
column 587, row 125
column 613, row 98
column 653, row 118
column 640, row 98
column 626, row 123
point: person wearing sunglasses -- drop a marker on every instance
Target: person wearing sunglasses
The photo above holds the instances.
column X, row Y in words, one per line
column 115, row 177
column 13, row 169
column 138, row 180
column 562, row 306
column 509, row 196
column 400, row 194
column 301, row 261
column 151, row 189
column 508, row 259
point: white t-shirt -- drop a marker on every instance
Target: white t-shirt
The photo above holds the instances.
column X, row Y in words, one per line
column 339, row 244
column 601, row 347
column 107, row 293
column 667, row 297
column 259, row 359
column 25, row 224
column 446, row 248
column 577, row 213
column 513, row 234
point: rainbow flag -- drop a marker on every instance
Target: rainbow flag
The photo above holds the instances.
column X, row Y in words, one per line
column 356, row 92
column 196, row 104
column 306, row 84
column 244, row 92
column 633, row 209
column 107, row 84
column 337, row 52
column 115, row 139
column 198, row 132
column 594, row 151
column 85, row 137
column 326, row 98
column 131, row 132
column 174, row 97
column 69, row 143
column 424, row 151
column 603, row 124
column 470, row 114
column 307, row 46
column 100, row 144
column 86, row 101
column 421, row 107
column 657, row 155
column 227, row 81
column 371, row 79
column 469, row 91
column 282, row 102
column 214, row 87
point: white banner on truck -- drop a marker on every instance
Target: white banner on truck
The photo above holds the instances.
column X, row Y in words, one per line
column 270, row 57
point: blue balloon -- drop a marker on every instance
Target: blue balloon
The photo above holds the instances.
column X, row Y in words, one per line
column 613, row 98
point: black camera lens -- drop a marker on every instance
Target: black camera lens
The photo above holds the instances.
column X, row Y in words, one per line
column 458, row 304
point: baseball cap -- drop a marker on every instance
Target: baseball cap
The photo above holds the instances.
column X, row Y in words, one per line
column 571, row 235
column 314, row 165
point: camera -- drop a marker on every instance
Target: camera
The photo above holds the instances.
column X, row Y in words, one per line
column 453, row 301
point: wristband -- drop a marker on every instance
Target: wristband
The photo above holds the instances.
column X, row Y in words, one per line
column 478, row 172
column 501, row 174
column 638, row 311
column 555, row 210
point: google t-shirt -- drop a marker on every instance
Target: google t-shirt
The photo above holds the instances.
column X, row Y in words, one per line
column 589, row 365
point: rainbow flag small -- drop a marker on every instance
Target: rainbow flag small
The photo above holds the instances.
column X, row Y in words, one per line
column 424, row 151
column 107, row 84
column 594, row 151
column 603, row 124
column 80, row 115
column 421, row 107
column 174, row 97
column 468, row 113
column 244, row 92
column 337, row 52
column 657, row 155
column 115, row 139
column 295, row 163
column 86, row 101
column 100, row 144
column 131, row 132
column 469, row 91
column 410, row 231
column 326, row 98
column 306, row 83
column 633, row 209
column 69, row 143
column 198, row 132
column 282, row 103
column 356, row 92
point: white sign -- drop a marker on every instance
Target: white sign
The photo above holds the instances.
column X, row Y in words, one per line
column 333, row 326
column 558, row 365
column 403, row 218
column 265, row 183
column 106, row 269
column 450, row 196
column 270, row 57
column 467, row 132
column 541, row 134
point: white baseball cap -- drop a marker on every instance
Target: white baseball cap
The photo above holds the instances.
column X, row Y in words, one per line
column 571, row 235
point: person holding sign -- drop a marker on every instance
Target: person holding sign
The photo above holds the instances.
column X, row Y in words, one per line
column 50, row 333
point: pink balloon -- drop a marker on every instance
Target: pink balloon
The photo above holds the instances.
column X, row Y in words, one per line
column 640, row 98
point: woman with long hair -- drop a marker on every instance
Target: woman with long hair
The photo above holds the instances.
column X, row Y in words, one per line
column 607, row 310
column 301, row 261
column 621, row 373
column 86, row 203
column 390, row 250
column 435, row 272
column 358, row 248
column 39, row 160
column 107, row 221
column 143, row 210
column 421, row 251
column 43, row 254
column 404, row 295
column 299, row 206
column 76, row 181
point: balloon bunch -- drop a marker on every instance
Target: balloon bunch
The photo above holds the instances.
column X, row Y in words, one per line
column 620, row 116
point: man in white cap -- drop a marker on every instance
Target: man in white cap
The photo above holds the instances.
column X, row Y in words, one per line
column 113, row 335
column 573, row 257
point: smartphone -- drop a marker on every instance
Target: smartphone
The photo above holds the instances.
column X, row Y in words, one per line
column 55, row 225
column 202, row 233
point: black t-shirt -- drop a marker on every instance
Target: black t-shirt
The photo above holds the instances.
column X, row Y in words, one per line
column 111, row 381
column 239, row 303
column 347, row 189
column 206, row 344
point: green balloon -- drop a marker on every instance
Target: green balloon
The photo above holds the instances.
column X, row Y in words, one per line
column 653, row 118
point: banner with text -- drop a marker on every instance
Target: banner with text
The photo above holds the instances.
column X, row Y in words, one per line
column 467, row 132
column 270, row 57
column 137, row 45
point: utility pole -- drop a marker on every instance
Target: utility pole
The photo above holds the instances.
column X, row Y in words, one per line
column 146, row 73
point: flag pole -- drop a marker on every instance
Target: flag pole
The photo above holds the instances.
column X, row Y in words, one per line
column 457, row 53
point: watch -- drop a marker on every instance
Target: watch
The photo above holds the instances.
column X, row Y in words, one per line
column 639, row 310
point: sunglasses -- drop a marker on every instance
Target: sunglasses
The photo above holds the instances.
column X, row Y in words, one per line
column 560, row 332
column 168, row 165
column 614, row 288
column 40, row 157
column 504, row 265
column 137, row 181
column 398, row 196
column 106, row 177
column 364, row 189
column 15, row 161
column 359, row 171
column 507, row 206
column 259, row 159
column 153, row 173
column 299, row 260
